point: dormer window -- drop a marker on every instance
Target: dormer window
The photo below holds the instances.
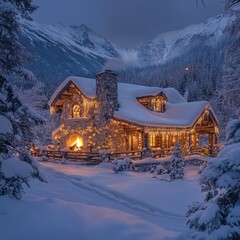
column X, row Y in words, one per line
column 154, row 103
column 159, row 104
column 76, row 111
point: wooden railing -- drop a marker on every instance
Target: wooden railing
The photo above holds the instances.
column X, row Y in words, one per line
column 206, row 150
column 95, row 157
column 133, row 154
column 90, row 157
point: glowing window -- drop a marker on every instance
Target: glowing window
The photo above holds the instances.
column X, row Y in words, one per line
column 159, row 104
column 152, row 140
column 76, row 111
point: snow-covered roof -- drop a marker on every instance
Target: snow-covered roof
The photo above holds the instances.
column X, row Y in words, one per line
column 179, row 112
column 5, row 125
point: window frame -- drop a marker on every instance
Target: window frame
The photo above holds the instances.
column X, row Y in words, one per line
column 79, row 115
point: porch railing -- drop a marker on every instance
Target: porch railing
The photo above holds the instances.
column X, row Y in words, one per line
column 95, row 157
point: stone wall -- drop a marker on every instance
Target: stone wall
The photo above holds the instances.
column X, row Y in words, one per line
column 107, row 95
column 95, row 136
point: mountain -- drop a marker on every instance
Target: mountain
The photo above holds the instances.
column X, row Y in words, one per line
column 168, row 46
column 62, row 50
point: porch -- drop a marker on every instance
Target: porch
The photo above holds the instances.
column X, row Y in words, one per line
column 92, row 158
column 161, row 142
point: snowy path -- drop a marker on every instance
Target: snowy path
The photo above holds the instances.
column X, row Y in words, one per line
column 140, row 208
column 88, row 181
column 92, row 203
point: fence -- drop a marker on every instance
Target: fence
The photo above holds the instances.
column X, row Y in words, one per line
column 95, row 157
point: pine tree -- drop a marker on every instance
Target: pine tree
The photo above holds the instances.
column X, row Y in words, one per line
column 186, row 149
column 176, row 169
column 233, row 131
column 12, row 54
column 20, row 120
column 228, row 98
column 35, row 97
column 17, row 120
column 218, row 216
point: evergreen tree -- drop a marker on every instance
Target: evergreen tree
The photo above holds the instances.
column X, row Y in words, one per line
column 20, row 120
column 185, row 147
column 233, row 131
column 176, row 169
column 228, row 98
column 44, row 131
column 218, row 216
column 12, row 54
column 35, row 97
column 17, row 121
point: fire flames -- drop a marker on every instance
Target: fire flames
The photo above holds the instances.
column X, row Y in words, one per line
column 77, row 144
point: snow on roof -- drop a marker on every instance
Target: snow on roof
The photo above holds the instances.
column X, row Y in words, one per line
column 86, row 85
column 179, row 112
column 176, row 115
column 5, row 125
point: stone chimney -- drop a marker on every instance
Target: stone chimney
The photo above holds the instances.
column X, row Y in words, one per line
column 107, row 93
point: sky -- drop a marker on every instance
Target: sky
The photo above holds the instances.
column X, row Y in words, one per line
column 128, row 23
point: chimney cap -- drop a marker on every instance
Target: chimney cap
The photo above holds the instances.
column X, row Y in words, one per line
column 106, row 71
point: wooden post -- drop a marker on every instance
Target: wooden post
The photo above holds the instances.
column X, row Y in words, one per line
column 210, row 139
column 142, row 136
column 169, row 140
column 214, row 138
column 146, row 140
column 160, row 140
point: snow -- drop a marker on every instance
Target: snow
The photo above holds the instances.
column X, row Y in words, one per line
column 233, row 131
column 86, row 85
column 209, row 214
column 82, row 202
column 172, row 44
column 179, row 112
column 13, row 167
column 226, row 167
column 5, row 125
column 77, row 38
column 122, row 164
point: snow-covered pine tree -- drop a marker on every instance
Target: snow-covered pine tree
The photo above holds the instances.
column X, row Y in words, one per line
column 20, row 120
column 233, row 131
column 12, row 54
column 44, row 131
column 176, row 169
column 218, row 216
column 17, row 120
column 228, row 98
column 35, row 97
column 186, row 149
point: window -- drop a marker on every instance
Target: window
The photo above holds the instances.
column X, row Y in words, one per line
column 76, row 111
column 154, row 103
column 152, row 140
column 159, row 104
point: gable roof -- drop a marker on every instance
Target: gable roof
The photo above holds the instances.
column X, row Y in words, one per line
column 179, row 112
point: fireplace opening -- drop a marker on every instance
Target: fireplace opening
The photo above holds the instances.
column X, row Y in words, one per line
column 75, row 143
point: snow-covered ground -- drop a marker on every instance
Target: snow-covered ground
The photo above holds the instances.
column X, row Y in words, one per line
column 86, row 202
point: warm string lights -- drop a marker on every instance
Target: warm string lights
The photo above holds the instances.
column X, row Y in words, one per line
column 84, row 128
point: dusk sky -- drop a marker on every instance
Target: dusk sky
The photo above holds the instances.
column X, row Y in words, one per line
column 127, row 22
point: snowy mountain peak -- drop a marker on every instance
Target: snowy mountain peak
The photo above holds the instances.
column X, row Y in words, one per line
column 169, row 45
column 62, row 50
column 78, row 38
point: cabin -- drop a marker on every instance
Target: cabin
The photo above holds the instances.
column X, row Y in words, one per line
column 101, row 113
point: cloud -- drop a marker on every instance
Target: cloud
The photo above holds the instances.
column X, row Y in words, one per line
column 127, row 59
